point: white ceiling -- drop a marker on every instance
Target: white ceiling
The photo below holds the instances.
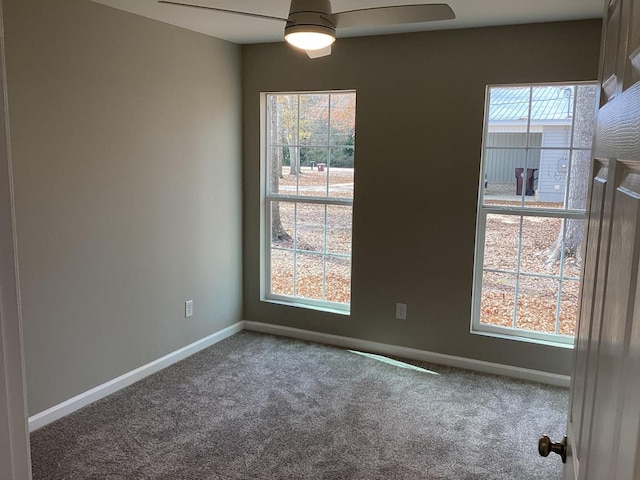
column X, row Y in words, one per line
column 242, row 29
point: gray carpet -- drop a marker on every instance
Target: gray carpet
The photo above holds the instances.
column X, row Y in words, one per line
column 262, row 407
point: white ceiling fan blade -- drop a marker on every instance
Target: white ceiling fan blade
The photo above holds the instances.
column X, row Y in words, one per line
column 393, row 15
column 323, row 52
column 223, row 10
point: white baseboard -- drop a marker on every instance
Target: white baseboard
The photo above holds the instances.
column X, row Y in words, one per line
column 79, row 401
column 411, row 353
column 65, row 408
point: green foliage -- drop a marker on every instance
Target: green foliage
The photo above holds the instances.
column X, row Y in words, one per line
column 317, row 128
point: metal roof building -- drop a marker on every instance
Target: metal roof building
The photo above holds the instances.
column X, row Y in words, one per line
column 547, row 103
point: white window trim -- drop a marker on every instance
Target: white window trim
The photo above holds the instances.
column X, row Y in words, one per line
column 265, row 217
column 484, row 210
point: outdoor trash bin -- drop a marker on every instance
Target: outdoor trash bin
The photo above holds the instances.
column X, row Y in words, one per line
column 530, row 179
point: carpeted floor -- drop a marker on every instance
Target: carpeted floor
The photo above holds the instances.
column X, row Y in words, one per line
column 261, row 407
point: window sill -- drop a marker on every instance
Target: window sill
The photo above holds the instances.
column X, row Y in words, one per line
column 319, row 308
column 522, row 338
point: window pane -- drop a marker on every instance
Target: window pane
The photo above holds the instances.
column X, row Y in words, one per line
column 341, row 182
column 552, row 106
column 541, row 244
column 282, row 178
column 281, row 272
column 544, row 244
column 341, row 173
column 504, row 136
column 508, row 115
column 569, row 307
column 339, row 229
column 502, row 234
column 574, row 240
column 549, row 178
column 500, row 176
column 338, row 283
column 312, row 178
column 537, row 304
column 314, row 119
column 283, row 129
column 309, row 276
column 282, row 218
column 341, row 157
column 585, row 112
column 579, row 179
column 527, row 178
column 310, row 227
column 556, row 136
column 498, row 298
column 311, row 157
column 343, row 118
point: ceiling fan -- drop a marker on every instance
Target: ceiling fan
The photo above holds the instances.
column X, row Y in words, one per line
column 311, row 24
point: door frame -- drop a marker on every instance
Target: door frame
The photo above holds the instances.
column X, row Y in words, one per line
column 15, row 463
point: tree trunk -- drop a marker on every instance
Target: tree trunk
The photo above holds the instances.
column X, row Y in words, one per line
column 278, row 232
column 579, row 180
column 294, row 160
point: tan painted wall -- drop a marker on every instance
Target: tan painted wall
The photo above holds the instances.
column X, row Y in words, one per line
column 126, row 147
column 419, row 133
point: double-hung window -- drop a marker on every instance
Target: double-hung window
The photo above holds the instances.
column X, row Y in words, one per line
column 531, row 214
column 308, row 184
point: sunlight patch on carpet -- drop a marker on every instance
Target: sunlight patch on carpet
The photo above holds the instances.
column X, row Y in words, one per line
column 395, row 363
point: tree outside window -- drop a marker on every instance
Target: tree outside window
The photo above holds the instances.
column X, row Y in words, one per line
column 309, row 182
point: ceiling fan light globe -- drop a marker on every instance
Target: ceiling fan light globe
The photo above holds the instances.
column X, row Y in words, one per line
column 310, row 40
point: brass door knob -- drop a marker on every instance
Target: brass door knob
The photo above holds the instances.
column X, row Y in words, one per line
column 546, row 446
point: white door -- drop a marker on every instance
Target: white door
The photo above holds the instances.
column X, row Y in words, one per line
column 604, row 414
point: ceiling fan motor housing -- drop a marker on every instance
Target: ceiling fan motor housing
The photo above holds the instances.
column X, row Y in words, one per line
column 310, row 15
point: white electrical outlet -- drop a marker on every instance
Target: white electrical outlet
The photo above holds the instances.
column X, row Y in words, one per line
column 401, row 311
column 188, row 309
